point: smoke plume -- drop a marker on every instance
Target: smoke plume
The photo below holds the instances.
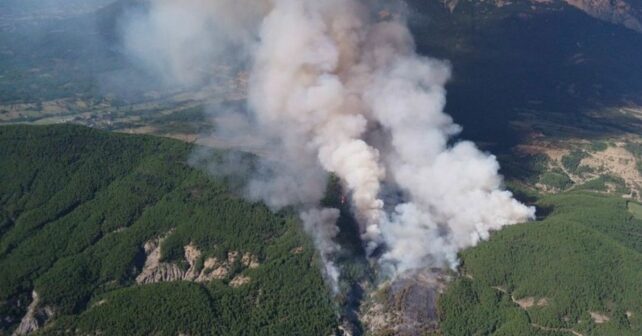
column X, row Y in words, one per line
column 337, row 88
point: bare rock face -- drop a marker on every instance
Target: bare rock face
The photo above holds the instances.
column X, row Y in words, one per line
column 405, row 307
column 35, row 318
column 250, row 261
column 191, row 255
column 156, row 271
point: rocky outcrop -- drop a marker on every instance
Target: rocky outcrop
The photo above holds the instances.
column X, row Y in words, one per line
column 250, row 261
column 35, row 318
column 450, row 4
column 156, row 271
column 627, row 13
column 615, row 11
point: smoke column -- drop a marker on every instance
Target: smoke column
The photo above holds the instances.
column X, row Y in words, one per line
column 336, row 89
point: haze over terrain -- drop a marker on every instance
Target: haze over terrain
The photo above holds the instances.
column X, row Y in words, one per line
column 416, row 167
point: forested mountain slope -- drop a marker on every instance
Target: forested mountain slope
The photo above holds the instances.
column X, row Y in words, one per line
column 577, row 272
column 116, row 234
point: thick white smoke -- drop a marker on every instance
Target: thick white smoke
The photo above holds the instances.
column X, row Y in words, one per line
column 321, row 225
column 183, row 41
column 336, row 89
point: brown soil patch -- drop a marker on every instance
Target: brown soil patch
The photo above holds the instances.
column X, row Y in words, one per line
column 239, row 281
column 599, row 318
column 554, row 153
column 525, row 303
column 529, row 302
column 297, row 250
column 616, row 161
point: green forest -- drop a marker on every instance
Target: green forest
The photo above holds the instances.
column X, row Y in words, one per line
column 583, row 259
column 76, row 208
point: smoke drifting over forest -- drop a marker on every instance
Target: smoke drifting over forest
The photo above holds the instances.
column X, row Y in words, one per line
column 336, row 87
